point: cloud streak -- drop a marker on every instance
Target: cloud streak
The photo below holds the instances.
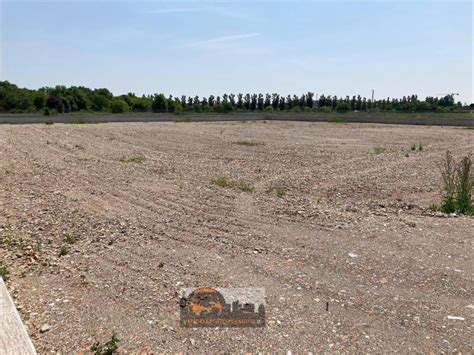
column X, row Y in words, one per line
column 221, row 40
column 232, row 13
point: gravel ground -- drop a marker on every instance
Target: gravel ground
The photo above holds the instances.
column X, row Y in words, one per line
column 101, row 225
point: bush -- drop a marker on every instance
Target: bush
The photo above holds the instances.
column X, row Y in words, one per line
column 343, row 107
column 46, row 112
column 119, row 106
column 458, row 183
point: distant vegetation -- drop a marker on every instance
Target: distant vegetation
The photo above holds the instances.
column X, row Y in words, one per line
column 62, row 99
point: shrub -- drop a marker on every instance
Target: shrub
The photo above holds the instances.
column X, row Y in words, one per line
column 46, row 111
column 119, row 106
column 458, row 183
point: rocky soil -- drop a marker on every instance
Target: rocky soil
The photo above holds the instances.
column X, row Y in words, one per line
column 101, row 225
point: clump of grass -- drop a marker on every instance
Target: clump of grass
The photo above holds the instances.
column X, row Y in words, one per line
column 70, row 239
column 137, row 159
column 79, row 146
column 107, row 348
column 222, row 182
column 79, row 120
column 379, row 150
column 249, row 143
column 63, row 251
column 280, row 191
column 49, row 121
column 4, row 273
column 226, row 183
column 413, row 147
column 8, row 241
column 420, row 147
column 469, row 127
column 246, row 187
column 337, row 121
column 458, row 182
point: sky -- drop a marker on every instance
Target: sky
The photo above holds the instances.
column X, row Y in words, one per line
column 215, row 47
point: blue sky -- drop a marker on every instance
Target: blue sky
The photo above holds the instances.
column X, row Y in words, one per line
column 206, row 48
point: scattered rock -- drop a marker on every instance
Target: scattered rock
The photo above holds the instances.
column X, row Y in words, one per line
column 44, row 328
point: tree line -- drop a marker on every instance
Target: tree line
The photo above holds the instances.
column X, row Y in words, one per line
column 62, row 99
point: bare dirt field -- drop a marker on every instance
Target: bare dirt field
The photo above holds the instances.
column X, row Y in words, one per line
column 101, row 225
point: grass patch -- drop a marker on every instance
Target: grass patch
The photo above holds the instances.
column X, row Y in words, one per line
column 469, row 127
column 137, row 159
column 337, row 120
column 63, row 251
column 79, row 146
column 458, row 182
column 80, row 120
column 183, row 120
column 107, row 348
column 223, row 182
column 70, row 239
column 230, row 184
column 280, row 191
column 248, row 143
column 379, row 150
column 4, row 273
column 49, row 121
column 246, row 187
column 8, row 241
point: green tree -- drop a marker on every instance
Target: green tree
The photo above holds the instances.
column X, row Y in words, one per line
column 343, row 107
column 160, row 103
